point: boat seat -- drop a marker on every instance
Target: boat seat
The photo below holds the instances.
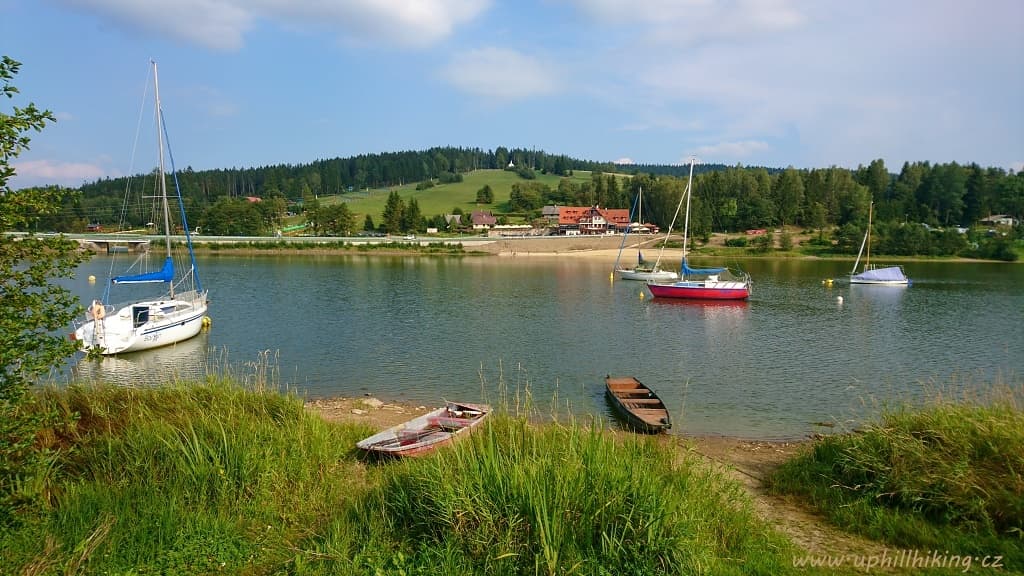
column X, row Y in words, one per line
column 642, row 403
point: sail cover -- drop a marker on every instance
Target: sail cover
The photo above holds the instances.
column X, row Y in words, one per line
column 687, row 271
column 165, row 274
column 888, row 274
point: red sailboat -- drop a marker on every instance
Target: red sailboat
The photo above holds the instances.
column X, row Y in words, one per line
column 701, row 283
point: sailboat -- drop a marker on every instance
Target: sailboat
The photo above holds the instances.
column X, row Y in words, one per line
column 881, row 276
column 179, row 313
column 701, row 283
column 643, row 270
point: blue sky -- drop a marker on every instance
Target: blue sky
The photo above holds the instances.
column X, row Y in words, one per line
column 804, row 83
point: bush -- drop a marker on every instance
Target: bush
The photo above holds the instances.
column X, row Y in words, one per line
column 944, row 477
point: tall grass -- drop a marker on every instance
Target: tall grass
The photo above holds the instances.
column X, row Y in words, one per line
column 214, row 477
column 945, row 476
column 519, row 499
column 183, row 479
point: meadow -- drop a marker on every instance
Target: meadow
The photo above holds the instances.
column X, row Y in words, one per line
column 444, row 198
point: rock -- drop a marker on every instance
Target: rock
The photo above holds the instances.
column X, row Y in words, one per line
column 372, row 402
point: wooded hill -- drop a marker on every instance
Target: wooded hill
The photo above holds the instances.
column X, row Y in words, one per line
column 377, row 190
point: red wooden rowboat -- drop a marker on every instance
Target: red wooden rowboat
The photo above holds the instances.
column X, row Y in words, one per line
column 426, row 433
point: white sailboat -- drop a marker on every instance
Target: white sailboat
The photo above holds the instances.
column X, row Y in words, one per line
column 179, row 313
column 643, row 270
column 880, row 276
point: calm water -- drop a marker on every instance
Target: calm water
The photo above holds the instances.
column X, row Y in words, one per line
column 419, row 329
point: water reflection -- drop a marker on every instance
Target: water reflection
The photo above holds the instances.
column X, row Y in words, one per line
column 183, row 361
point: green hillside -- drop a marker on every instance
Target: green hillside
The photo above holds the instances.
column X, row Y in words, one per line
column 444, row 198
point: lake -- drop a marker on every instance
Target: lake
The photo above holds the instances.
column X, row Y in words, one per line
column 419, row 329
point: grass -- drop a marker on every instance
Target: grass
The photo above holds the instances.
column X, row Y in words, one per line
column 210, row 477
column 948, row 476
column 443, row 198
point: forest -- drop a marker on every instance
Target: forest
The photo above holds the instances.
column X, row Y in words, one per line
column 924, row 209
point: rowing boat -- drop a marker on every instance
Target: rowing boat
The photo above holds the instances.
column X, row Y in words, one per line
column 639, row 406
column 427, row 432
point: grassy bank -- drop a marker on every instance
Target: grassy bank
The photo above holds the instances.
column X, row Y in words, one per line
column 948, row 477
column 196, row 479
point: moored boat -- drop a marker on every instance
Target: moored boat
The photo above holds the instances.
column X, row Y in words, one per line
column 701, row 283
column 876, row 275
column 643, row 270
column 427, row 432
column 179, row 312
column 639, row 406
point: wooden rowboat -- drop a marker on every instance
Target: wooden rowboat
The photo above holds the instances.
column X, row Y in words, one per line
column 425, row 433
column 639, row 406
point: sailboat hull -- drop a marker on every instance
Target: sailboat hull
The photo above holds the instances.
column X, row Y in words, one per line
column 647, row 275
column 702, row 290
column 144, row 325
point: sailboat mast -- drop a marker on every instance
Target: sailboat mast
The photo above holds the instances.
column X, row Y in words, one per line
column 686, row 221
column 867, row 255
column 162, row 178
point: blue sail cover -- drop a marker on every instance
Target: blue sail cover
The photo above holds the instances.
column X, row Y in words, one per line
column 687, row 271
column 888, row 274
column 165, row 274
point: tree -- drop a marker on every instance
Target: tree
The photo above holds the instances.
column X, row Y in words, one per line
column 789, row 196
column 335, row 220
column 485, row 195
column 233, row 217
column 412, row 218
column 393, row 211
column 34, row 311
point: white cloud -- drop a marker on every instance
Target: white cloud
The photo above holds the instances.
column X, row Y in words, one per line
column 46, row 172
column 500, row 74
column 623, row 161
column 223, row 24
column 696, row 21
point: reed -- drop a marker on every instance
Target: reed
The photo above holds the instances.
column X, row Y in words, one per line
column 516, row 498
column 197, row 478
column 946, row 475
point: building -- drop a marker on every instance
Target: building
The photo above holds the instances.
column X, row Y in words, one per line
column 999, row 220
column 482, row 220
column 588, row 221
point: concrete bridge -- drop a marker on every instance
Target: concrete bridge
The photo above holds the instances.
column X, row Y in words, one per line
column 111, row 243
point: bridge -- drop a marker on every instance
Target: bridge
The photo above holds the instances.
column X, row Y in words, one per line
column 111, row 243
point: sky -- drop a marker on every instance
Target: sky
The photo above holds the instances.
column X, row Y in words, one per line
column 778, row 83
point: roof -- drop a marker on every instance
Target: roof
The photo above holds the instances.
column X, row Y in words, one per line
column 481, row 217
column 568, row 215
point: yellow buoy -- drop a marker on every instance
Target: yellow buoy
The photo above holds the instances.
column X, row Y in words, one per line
column 827, row 282
column 641, row 294
column 92, row 279
column 207, row 322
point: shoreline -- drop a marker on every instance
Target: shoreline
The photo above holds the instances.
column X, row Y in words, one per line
column 599, row 248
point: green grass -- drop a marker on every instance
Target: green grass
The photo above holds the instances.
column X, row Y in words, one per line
column 948, row 476
column 208, row 477
column 443, row 198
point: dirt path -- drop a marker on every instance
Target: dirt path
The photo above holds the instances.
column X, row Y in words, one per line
column 747, row 461
column 751, row 461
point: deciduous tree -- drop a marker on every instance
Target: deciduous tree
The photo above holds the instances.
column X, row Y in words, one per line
column 34, row 310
